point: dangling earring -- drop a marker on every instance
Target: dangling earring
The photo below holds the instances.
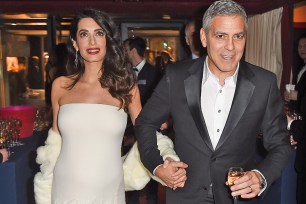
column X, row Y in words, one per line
column 76, row 59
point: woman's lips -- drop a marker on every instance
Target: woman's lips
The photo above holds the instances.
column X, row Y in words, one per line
column 93, row 51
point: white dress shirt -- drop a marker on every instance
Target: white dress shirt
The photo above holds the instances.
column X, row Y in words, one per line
column 216, row 102
column 139, row 67
column 301, row 73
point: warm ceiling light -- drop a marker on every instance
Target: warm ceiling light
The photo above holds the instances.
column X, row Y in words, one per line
column 166, row 17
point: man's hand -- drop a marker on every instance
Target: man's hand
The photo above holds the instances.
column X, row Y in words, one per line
column 248, row 186
column 173, row 173
column 293, row 95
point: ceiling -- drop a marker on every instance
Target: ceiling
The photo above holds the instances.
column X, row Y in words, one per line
column 133, row 9
column 29, row 17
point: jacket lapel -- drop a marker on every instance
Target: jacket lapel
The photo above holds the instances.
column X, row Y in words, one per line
column 193, row 84
column 242, row 97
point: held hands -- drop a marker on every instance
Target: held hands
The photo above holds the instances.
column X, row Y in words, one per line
column 248, row 186
column 173, row 173
column 164, row 126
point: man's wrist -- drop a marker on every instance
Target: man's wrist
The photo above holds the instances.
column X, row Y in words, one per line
column 263, row 182
column 154, row 171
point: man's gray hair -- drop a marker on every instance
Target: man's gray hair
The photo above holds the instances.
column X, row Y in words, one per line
column 223, row 8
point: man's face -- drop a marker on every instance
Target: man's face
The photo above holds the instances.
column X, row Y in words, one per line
column 302, row 48
column 225, row 43
column 190, row 33
column 128, row 51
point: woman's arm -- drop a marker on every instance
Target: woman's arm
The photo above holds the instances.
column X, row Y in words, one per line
column 56, row 92
column 135, row 105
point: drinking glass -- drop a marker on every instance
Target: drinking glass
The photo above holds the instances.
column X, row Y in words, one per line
column 233, row 174
column 18, row 125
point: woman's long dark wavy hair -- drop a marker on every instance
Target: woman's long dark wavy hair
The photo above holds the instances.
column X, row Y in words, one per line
column 117, row 74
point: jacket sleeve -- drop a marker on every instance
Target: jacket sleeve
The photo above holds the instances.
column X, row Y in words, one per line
column 298, row 129
column 154, row 113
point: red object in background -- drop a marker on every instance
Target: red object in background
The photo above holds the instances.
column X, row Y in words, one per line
column 25, row 113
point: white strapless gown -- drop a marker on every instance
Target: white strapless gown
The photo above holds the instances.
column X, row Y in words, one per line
column 89, row 167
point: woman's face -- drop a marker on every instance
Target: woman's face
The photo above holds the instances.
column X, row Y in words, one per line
column 90, row 41
column 302, row 48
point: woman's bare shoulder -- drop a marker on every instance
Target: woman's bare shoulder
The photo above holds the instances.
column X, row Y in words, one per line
column 62, row 82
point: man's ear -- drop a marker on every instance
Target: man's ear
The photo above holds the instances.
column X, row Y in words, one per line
column 203, row 37
column 187, row 41
column 134, row 51
column 75, row 45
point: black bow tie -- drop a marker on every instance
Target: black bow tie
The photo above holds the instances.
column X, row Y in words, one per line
column 135, row 69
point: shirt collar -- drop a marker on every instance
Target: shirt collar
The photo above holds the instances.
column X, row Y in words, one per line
column 207, row 73
column 194, row 56
column 140, row 65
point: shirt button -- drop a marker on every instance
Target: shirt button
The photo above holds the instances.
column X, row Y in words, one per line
column 219, row 111
column 218, row 130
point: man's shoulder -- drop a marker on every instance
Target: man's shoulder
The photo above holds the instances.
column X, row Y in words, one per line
column 183, row 65
column 149, row 67
column 255, row 70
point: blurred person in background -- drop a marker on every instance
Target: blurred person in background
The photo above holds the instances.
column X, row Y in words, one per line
column 35, row 77
column 298, row 126
column 17, row 78
column 4, row 155
column 55, row 67
column 161, row 63
column 192, row 38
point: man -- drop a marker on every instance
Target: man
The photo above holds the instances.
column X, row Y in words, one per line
column 294, row 96
column 147, row 78
column 193, row 39
column 298, row 127
column 218, row 104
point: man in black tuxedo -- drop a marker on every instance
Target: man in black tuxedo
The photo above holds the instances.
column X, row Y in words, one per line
column 147, row 78
column 298, row 127
column 218, row 104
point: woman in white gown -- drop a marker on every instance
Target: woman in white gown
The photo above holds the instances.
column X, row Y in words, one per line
column 89, row 112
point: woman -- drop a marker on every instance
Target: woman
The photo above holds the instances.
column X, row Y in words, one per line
column 89, row 110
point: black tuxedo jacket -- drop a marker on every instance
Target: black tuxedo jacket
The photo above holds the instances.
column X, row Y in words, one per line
column 298, row 128
column 147, row 79
column 257, row 105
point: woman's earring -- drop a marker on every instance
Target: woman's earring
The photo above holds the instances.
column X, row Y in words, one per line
column 76, row 59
